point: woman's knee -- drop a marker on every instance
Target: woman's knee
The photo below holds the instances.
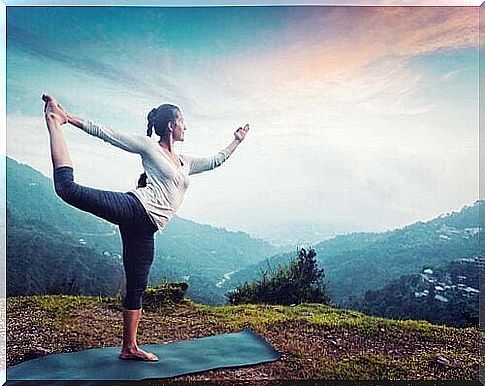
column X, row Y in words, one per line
column 133, row 300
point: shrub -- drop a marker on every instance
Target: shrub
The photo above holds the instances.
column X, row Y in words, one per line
column 301, row 281
column 155, row 298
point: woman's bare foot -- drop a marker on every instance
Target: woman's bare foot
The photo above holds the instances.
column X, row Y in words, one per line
column 138, row 354
column 53, row 110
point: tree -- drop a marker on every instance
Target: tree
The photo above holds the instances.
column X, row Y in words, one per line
column 301, row 281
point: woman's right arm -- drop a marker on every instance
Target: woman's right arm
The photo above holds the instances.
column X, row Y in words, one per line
column 129, row 142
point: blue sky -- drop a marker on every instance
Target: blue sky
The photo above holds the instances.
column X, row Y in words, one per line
column 363, row 118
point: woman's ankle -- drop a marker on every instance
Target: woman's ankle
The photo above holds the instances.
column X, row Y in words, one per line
column 130, row 346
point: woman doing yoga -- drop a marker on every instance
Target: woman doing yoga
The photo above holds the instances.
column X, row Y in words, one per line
column 140, row 212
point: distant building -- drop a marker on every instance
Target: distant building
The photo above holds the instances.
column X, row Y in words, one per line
column 438, row 288
column 476, row 261
column 441, row 298
column 471, row 290
column 420, row 294
column 428, row 271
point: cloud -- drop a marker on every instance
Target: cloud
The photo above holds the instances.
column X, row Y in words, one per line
column 343, row 40
column 106, row 66
column 340, row 118
column 355, row 55
column 450, row 75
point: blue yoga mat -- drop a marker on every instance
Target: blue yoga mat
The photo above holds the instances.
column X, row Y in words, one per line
column 190, row 356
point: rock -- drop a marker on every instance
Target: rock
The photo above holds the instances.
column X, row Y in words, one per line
column 445, row 361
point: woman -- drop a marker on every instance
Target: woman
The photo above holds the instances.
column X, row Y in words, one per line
column 139, row 213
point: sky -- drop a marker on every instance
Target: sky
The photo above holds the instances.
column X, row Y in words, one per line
column 362, row 118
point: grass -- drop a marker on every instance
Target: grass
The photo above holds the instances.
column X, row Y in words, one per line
column 316, row 341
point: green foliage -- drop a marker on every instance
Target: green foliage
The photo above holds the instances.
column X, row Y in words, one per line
column 301, row 281
column 156, row 298
column 397, row 299
column 366, row 366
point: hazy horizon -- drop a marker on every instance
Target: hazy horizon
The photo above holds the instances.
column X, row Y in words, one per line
column 362, row 118
column 287, row 237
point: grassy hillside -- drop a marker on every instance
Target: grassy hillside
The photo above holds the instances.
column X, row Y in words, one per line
column 316, row 342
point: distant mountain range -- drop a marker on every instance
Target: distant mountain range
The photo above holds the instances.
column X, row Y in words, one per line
column 185, row 250
column 44, row 232
column 358, row 262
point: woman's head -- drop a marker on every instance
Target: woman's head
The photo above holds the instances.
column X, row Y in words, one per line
column 166, row 119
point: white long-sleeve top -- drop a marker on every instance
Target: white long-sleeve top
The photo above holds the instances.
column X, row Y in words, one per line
column 166, row 182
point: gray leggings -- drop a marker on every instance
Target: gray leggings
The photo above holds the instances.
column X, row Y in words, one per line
column 136, row 229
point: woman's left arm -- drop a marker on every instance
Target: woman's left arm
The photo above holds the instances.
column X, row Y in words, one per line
column 202, row 164
column 129, row 142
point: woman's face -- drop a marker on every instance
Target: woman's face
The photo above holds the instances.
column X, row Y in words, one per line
column 179, row 128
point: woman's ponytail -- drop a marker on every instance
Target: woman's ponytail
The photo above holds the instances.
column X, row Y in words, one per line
column 142, row 181
column 152, row 115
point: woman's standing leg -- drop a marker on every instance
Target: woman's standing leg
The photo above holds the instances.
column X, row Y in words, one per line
column 138, row 251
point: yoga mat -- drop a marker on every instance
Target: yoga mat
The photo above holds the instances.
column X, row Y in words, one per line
column 177, row 358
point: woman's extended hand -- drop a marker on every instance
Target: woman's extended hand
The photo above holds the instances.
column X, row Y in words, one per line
column 240, row 133
column 53, row 110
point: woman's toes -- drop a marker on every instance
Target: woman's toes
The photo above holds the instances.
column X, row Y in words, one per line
column 152, row 357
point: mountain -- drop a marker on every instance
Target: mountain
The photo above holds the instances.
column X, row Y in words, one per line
column 41, row 260
column 199, row 254
column 358, row 262
column 441, row 295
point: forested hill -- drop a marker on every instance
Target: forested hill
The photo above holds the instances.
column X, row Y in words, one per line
column 358, row 262
column 442, row 295
column 43, row 231
column 41, row 260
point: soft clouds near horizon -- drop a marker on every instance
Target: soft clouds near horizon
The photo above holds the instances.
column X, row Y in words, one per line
column 362, row 117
